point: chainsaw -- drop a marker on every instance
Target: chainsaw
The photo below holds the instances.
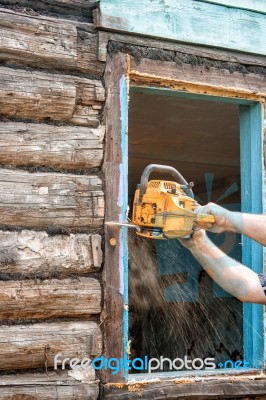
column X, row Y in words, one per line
column 164, row 209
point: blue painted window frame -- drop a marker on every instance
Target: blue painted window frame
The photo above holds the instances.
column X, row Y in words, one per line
column 252, row 188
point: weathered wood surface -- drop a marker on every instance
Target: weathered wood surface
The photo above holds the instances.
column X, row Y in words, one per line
column 187, row 389
column 76, row 8
column 28, row 253
column 50, row 199
column 253, row 5
column 186, row 21
column 187, row 49
column 68, row 147
column 54, row 298
column 113, row 269
column 42, row 96
column 40, row 386
column 200, row 75
column 36, row 345
column 47, row 42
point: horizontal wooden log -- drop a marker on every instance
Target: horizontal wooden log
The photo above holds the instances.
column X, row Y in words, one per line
column 41, row 96
column 210, row 53
column 35, row 346
column 33, row 299
column 191, row 389
column 46, row 42
column 219, row 77
column 50, row 386
column 29, row 253
column 50, row 199
column 68, row 147
column 79, row 8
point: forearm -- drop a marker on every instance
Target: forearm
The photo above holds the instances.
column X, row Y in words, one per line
column 251, row 225
column 228, row 273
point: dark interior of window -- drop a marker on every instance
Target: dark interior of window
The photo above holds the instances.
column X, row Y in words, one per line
column 175, row 309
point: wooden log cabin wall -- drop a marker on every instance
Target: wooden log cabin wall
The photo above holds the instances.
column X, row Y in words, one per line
column 52, row 197
column 58, row 89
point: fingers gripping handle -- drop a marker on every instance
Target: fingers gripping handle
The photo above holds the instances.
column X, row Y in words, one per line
column 204, row 220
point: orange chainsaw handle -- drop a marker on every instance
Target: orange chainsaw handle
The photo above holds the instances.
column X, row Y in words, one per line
column 202, row 220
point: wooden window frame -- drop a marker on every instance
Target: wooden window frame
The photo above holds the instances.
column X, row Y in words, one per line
column 121, row 72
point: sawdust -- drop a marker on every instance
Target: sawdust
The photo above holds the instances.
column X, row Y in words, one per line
column 145, row 289
column 116, row 385
column 183, row 381
column 133, row 385
column 186, row 324
column 137, row 388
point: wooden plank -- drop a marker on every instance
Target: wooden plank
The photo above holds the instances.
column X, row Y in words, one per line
column 46, row 200
column 252, row 176
column 33, row 299
column 253, row 5
column 187, row 389
column 228, row 56
column 46, row 42
column 186, row 21
column 36, row 345
column 28, row 253
column 68, row 147
column 50, row 386
column 113, row 270
column 42, row 96
column 75, row 8
column 220, row 77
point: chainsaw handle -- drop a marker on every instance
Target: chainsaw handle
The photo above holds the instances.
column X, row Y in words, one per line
column 165, row 169
column 204, row 219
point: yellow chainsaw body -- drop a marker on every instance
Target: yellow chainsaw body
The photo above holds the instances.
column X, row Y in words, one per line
column 164, row 211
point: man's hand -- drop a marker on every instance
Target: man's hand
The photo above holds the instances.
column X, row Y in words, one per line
column 198, row 239
column 223, row 218
column 199, row 243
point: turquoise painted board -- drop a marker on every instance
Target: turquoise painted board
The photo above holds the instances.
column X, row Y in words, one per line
column 253, row 5
column 123, row 199
column 187, row 21
column 252, row 192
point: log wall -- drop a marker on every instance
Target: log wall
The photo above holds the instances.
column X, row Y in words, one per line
column 51, row 298
column 67, row 8
column 70, row 339
column 50, row 97
column 52, row 199
column 71, row 147
column 29, row 253
column 55, row 385
column 46, row 42
column 41, row 199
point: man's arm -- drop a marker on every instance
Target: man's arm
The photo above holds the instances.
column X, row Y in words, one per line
column 228, row 273
column 251, row 225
